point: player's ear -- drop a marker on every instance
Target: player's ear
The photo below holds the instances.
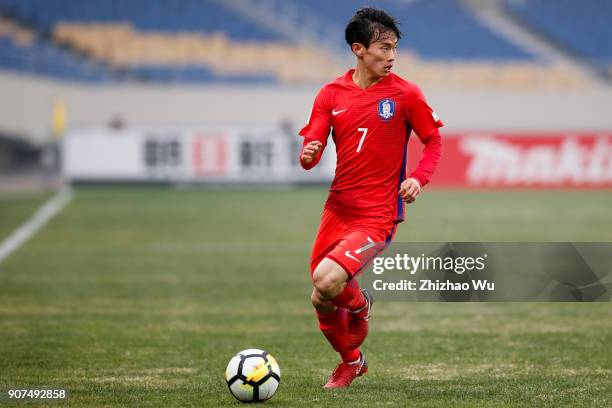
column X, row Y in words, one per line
column 358, row 49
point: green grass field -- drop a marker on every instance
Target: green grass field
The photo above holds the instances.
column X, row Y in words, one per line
column 16, row 208
column 140, row 296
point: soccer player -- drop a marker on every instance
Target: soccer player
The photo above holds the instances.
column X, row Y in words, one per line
column 372, row 113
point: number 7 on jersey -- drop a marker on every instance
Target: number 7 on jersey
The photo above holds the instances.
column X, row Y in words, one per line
column 363, row 136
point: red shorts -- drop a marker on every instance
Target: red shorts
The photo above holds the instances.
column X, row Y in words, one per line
column 352, row 241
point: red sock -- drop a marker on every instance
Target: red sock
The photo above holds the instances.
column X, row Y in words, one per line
column 351, row 297
column 333, row 327
column 350, row 356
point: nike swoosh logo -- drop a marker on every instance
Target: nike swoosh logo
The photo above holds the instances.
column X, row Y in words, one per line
column 335, row 112
column 348, row 253
column 360, row 250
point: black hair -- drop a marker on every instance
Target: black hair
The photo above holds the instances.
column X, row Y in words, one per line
column 367, row 26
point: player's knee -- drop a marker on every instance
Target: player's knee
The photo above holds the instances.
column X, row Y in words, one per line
column 327, row 284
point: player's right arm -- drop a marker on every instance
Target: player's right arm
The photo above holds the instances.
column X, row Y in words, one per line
column 316, row 131
column 311, row 153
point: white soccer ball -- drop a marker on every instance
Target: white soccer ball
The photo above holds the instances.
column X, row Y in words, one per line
column 252, row 375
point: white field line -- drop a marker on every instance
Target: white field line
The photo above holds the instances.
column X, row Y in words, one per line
column 28, row 229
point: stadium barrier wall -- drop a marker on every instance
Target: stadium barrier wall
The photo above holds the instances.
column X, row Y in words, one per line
column 270, row 155
column 26, row 106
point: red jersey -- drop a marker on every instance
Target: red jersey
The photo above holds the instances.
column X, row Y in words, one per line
column 370, row 128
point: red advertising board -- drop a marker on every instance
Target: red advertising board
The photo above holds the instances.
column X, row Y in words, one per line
column 522, row 160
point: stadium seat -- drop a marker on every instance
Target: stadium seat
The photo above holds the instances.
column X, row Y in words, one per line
column 581, row 27
column 433, row 29
column 207, row 41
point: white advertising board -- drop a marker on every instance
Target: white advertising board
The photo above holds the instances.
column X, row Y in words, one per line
column 252, row 155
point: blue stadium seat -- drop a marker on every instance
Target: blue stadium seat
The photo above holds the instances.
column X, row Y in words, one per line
column 157, row 73
column 581, row 27
column 45, row 59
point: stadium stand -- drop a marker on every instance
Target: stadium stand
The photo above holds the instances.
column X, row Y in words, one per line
column 582, row 27
column 433, row 29
column 209, row 41
column 218, row 56
column 159, row 19
column 22, row 50
column 444, row 44
column 162, row 15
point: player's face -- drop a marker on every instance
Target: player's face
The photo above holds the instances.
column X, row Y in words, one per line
column 380, row 55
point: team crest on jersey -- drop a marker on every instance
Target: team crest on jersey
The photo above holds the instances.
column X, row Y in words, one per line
column 386, row 108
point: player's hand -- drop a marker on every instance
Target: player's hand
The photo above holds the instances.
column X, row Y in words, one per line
column 409, row 190
column 310, row 151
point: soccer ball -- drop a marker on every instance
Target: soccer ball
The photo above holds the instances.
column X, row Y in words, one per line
column 252, row 375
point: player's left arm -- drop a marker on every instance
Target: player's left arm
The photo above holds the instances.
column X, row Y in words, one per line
column 425, row 123
column 411, row 187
